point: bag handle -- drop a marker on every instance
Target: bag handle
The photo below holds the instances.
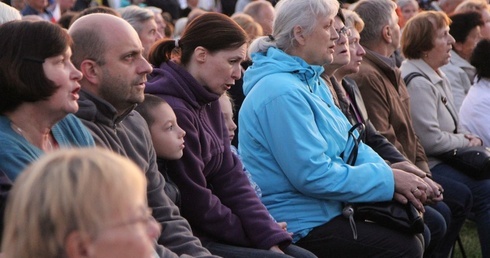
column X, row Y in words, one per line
column 408, row 78
column 351, row 159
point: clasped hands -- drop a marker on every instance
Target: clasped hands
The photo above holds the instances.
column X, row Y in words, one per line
column 413, row 185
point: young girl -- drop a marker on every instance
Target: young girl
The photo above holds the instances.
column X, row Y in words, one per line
column 227, row 109
column 167, row 136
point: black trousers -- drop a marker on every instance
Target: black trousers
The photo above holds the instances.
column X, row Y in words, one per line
column 335, row 239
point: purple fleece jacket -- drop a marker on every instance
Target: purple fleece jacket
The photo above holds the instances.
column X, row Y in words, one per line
column 217, row 199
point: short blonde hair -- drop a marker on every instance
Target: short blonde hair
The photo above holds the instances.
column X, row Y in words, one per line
column 248, row 24
column 472, row 5
column 420, row 31
column 353, row 20
column 63, row 192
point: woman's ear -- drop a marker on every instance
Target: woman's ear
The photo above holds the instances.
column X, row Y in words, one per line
column 200, row 54
column 77, row 245
column 299, row 36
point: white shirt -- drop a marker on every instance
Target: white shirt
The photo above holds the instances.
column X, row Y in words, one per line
column 474, row 114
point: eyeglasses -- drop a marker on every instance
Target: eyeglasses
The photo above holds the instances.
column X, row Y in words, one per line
column 146, row 218
column 344, row 31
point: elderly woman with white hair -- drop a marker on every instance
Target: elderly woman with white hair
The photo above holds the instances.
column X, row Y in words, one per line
column 292, row 136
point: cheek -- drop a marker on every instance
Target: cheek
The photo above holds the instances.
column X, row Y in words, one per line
column 124, row 246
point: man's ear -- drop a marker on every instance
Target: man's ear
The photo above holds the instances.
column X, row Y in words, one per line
column 91, row 71
column 200, row 54
column 77, row 245
column 387, row 34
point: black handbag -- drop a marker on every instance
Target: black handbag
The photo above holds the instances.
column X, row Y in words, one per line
column 401, row 217
column 472, row 161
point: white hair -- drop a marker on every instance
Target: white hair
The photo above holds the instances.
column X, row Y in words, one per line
column 292, row 13
column 8, row 13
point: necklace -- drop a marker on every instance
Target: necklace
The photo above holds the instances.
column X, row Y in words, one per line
column 47, row 145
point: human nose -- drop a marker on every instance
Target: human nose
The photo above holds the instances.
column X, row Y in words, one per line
column 237, row 72
column 233, row 126
column 360, row 50
column 451, row 39
column 75, row 74
column 182, row 133
column 154, row 228
column 158, row 36
column 333, row 34
column 144, row 67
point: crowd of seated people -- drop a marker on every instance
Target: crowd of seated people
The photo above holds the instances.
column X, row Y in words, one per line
column 148, row 97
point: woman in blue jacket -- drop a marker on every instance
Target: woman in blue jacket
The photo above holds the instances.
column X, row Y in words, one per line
column 292, row 136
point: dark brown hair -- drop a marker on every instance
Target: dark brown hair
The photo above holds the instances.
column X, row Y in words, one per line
column 28, row 44
column 213, row 31
column 479, row 59
column 145, row 107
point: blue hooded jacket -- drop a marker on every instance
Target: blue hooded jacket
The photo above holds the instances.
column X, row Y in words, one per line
column 291, row 137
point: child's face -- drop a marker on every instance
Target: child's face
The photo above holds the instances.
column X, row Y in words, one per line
column 227, row 111
column 167, row 136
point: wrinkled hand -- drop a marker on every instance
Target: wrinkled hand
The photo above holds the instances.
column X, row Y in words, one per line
column 409, row 167
column 434, row 192
column 474, row 141
column 409, row 187
column 276, row 249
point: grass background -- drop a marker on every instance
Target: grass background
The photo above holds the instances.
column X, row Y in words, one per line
column 471, row 244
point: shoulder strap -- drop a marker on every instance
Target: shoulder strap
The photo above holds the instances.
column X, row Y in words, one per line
column 412, row 75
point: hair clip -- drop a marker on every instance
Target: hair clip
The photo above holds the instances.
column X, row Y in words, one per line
column 271, row 37
column 32, row 59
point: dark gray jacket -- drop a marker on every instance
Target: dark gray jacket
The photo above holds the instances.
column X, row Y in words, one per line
column 128, row 135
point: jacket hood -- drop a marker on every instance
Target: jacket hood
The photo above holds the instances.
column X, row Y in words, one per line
column 173, row 80
column 277, row 61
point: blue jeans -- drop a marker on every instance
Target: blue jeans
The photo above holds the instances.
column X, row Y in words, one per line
column 480, row 190
column 225, row 250
column 435, row 220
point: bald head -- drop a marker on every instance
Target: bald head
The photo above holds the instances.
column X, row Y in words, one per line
column 263, row 13
column 93, row 34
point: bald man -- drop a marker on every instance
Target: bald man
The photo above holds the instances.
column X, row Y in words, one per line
column 109, row 53
column 263, row 12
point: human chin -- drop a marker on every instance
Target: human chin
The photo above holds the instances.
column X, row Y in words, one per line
column 328, row 59
column 72, row 107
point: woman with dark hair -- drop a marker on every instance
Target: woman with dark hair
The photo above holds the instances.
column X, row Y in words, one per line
column 426, row 43
column 39, row 86
column 465, row 29
column 217, row 199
